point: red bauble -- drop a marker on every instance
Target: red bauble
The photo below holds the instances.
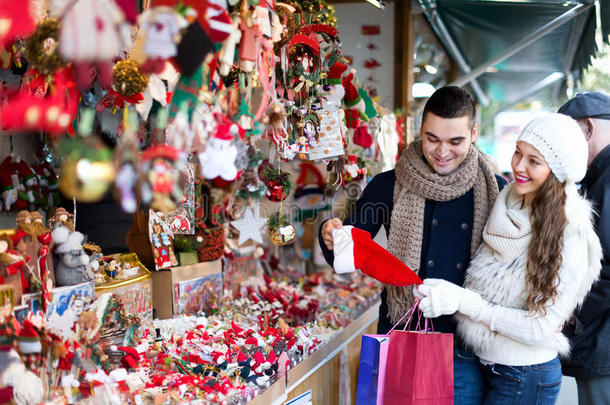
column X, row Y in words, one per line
column 275, row 191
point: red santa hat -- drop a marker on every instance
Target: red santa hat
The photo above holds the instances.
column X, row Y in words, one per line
column 352, row 97
column 335, row 72
column 28, row 339
column 355, row 250
column 160, row 151
column 18, row 235
column 225, row 132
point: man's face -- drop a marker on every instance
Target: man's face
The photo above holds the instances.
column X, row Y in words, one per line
column 446, row 141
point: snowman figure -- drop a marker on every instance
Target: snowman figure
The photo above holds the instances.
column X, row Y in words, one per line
column 218, row 160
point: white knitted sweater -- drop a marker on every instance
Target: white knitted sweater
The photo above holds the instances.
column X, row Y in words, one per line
column 494, row 322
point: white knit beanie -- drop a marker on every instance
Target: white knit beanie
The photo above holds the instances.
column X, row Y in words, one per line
column 561, row 141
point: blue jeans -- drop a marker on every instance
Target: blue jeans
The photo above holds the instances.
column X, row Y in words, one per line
column 468, row 383
column 537, row 384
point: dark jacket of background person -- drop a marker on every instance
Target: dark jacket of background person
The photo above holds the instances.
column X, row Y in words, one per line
column 589, row 332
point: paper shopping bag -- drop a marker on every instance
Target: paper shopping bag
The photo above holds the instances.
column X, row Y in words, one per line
column 419, row 368
column 371, row 370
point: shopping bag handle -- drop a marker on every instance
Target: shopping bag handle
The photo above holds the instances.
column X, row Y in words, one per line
column 410, row 313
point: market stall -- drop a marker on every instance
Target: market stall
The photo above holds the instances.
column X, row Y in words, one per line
column 164, row 170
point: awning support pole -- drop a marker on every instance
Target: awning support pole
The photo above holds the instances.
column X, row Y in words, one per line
column 453, row 49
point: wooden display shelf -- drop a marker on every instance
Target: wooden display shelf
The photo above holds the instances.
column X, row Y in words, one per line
column 281, row 390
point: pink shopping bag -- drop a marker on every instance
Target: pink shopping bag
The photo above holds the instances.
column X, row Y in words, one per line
column 419, row 367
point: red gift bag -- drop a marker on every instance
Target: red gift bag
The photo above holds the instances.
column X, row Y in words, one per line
column 419, row 368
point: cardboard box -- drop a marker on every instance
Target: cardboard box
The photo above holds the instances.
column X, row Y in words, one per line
column 165, row 280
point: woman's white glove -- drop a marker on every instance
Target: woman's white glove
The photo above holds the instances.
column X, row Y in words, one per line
column 440, row 297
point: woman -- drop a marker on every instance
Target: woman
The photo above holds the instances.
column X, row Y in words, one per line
column 539, row 258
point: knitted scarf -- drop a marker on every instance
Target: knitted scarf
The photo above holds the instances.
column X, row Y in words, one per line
column 415, row 183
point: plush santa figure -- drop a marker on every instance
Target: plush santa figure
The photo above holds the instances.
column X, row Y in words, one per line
column 355, row 250
column 218, row 160
column 354, row 104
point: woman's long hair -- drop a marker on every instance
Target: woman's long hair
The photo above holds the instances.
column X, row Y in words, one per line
column 544, row 256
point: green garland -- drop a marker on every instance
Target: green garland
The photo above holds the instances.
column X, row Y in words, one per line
column 283, row 178
column 276, row 221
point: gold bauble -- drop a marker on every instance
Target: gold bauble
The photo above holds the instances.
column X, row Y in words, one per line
column 85, row 180
column 282, row 236
column 128, row 80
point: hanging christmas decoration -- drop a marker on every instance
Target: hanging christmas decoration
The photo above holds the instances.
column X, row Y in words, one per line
column 281, row 231
column 42, row 56
column 249, row 225
column 87, row 170
column 277, row 181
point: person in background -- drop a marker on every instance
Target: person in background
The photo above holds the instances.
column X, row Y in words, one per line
column 589, row 329
column 433, row 207
column 538, row 260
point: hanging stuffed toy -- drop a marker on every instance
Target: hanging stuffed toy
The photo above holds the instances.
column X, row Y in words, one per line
column 250, row 40
column 354, row 104
column 352, row 171
column 163, row 165
column 160, row 32
column 218, row 160
column 93, row 32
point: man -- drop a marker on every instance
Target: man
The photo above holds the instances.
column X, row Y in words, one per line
column 589, row 330
column 437, row 200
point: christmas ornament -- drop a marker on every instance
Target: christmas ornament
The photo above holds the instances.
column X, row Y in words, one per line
column 218, row 160
column 226, row 57
column 281, row 232
column 36, row 53
column 163, row 165
column 249, row 225
column 127, row 78
column 354, row 249
column 277, row 182
column 352, row 171
column 355, row 106
column 92, row 33
column 87, row 170
column 330, row 141
column 160, row 32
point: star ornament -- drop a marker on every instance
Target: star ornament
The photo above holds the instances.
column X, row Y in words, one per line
column 249, row 226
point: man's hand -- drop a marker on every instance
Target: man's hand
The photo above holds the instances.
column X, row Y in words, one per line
column 327, row 231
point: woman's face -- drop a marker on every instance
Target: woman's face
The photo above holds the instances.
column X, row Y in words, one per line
column 529, row 169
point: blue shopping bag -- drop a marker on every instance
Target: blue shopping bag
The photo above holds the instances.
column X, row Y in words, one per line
column 371, row 370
